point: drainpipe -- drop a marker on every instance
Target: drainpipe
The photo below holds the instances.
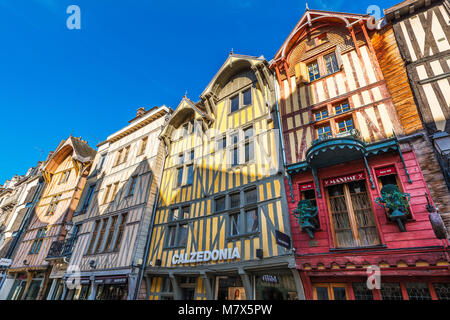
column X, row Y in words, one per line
column 279, row 124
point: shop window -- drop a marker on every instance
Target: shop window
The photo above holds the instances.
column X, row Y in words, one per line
column 345, row 125
column 417, row 291
column 391, row 291
column 230, row 288
column 330, row 291
column 442, row 290
column 342, row 107
column 275, row 286
column 313, row 70
column 321, row 114
column 220, row 203
column 323, row 132
column 331, row 63
column 353, row 223
column 361, row 292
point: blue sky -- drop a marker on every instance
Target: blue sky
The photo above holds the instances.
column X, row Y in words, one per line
column 129, row 53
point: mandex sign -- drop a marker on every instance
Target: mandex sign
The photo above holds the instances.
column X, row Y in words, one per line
column 5, row 263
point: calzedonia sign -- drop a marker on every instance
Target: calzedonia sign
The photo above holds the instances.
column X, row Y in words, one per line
column 206, row 256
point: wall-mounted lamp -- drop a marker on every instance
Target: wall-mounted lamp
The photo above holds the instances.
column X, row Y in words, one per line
column 259, row 253
column 92, row 264
column 25, row 262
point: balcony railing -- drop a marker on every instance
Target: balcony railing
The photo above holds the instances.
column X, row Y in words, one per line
column 61, row 249
column 355, row 134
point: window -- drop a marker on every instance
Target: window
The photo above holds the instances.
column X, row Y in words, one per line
column 221, row 143
column 132, row 186
column 122, row 156
column 101, row 235
column 235, row 200
column 179, row 176
column 251, row 221
column 324, row 132
column 241, row 100
column 234, row 224
column 102, row 161
column 177, row 236
column 64, row 177
column 112, row 228
column 391, row 291
column 144, row 142
column 249, row 145
column 342, row 107
column 321, row 114
column 37, row 243
column 361, row 291
column 185, row 170
column 114, row 193
column 185, row 212
column 250, row 196
column 313, row 70
column 120, row 232
column 352, row 220
column 234, row 103
column 190, row 174
column 107, row 191
column 53, row 205
column 330, row 291
column 345, row 125
column 247, row 95
column 331, row 63
column 220, row 203
column 93, row 237
column 88, row 198
column 417, row 291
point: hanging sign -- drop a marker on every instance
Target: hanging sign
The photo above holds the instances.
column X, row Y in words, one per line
column 205, row 256
column 344, row 179
column 307, row 186
column 282, row 239
column 385, row 171
column 5, row 262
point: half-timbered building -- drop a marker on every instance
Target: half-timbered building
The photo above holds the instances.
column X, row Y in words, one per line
column 422, row 32
column 65, row 174
column 348, row 159
column 221, row 220
column 114, row 215
column 27, row 190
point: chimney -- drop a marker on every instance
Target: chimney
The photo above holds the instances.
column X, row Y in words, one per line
column 140, row 112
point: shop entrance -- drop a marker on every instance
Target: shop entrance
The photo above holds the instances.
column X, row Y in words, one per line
column 230, row 288
column 353, row 223
column 18, row 287
column 275, row 285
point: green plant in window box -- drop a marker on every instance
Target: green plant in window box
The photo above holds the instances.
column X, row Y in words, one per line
column 397, row 204
column 307, row 217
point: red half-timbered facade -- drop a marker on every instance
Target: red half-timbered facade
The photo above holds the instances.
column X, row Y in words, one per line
column 344, row 140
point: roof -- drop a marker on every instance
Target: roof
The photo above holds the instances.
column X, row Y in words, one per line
column 405, row 8
column 311, row 16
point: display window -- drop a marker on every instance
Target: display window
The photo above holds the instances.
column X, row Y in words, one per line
column 230, row 288
column 275, row 286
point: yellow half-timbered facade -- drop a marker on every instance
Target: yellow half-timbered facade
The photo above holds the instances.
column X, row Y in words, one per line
column 221, row 213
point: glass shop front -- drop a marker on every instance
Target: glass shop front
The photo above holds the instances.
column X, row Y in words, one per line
column 275, row 285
